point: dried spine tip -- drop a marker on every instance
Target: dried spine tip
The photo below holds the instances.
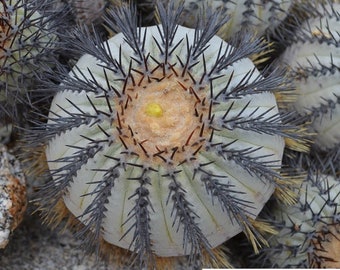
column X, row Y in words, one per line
column 309, row 230
column 257, row 16
column 314, row 57
column 161, row 141
column 12, row 195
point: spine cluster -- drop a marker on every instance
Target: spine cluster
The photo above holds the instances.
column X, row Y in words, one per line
column 308, row 230
column 25, row 47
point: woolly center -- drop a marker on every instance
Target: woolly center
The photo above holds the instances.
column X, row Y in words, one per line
column 163, row 119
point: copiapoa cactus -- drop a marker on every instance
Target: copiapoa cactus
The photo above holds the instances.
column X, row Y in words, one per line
column 314, row 58
column 257, row 16
column 163, row 141
column 25, row 39
column 309, row 230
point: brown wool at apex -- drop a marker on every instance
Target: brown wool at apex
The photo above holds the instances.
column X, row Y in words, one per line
column 149, row 124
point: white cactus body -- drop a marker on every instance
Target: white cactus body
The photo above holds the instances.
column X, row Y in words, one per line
column 316, row 62
column 216, row 225
column 257, row 16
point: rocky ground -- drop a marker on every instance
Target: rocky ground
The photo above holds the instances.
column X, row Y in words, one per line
column 33, row 246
